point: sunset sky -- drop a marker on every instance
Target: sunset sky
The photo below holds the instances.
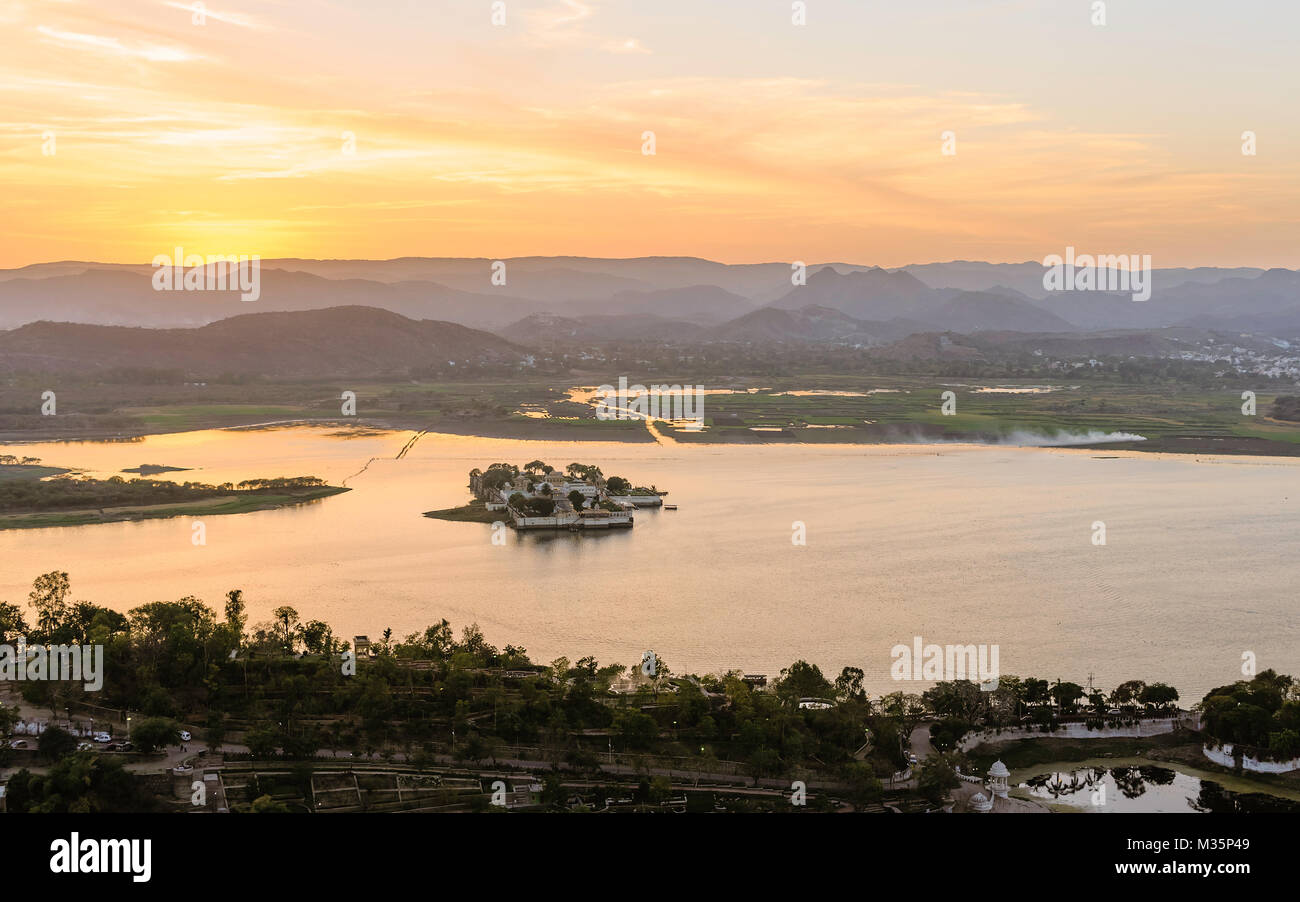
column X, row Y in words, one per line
column 774, row 141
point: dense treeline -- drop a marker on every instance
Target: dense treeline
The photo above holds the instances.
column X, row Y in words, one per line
column 1262, row 714
column 286, row 684
column 1287, row 407
column 292, row 688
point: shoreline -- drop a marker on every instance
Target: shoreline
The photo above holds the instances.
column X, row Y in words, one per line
column 1209, row 447
column 222, row 505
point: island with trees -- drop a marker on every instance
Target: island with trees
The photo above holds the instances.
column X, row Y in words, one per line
column 539, row 496
column 35, row 496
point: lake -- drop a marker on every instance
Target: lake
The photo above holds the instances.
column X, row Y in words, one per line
column 956, row 544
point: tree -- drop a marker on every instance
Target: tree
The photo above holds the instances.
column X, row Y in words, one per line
column 541, row 507
column 262, row 741
column 1036, row 691
column 577, row 499
column 638, row 730
column 154, row 733
column 1066, row 694
column 8, row 718
column 961, row 699
column 1284, row 745
column 848, row 685
column 49, row 597
column 945, row 734
column 12, row 624
column 802, row 680
column 938, row 777
column 79, row 783
column 266, row 805
column 286, row 617
column 906, row 711
column 235, row 616
column 1127, row 693
column 216, row 729
column 317, row 638
column 865, row 786
column 1158, row 695
column 57, row 742
column 660, row 790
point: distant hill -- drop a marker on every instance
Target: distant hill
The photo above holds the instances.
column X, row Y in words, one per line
column 693, row 303
column 340, row 341
column 963, row 296
column 811, row 323
column 545, row 330
column 873, row 294
column 982, row 311
column 123, row 297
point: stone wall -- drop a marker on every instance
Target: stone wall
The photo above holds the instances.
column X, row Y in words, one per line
column 1224, row 756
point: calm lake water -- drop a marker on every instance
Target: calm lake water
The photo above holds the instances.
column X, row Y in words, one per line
column 956, row 544
column 1147, row 788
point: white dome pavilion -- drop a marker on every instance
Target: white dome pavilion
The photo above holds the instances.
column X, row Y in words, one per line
column 998, row 775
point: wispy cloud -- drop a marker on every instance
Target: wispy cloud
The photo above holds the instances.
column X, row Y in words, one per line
column 101, row 44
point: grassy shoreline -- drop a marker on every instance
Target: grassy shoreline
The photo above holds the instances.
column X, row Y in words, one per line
column 536, row 430
column 240, row 503
column 474, row 512
column 789, row 409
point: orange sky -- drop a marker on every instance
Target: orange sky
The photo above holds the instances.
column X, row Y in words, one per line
column 774, row 141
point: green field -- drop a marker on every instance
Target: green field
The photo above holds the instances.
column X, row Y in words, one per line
column 474, row 512
column 1171, row 417
column 21, row 471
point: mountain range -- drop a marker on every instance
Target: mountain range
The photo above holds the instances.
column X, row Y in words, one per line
column 681, row 299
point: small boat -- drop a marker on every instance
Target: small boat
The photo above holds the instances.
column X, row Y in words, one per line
column 670, row 507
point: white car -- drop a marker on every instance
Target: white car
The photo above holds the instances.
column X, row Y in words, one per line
column 185, row 735
column 102, row 737
column 18, row 744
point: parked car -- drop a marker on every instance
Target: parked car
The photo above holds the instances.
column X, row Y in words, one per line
column 84, row 747
column 18, row 744
column 102, row 737
column 1114, row 711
